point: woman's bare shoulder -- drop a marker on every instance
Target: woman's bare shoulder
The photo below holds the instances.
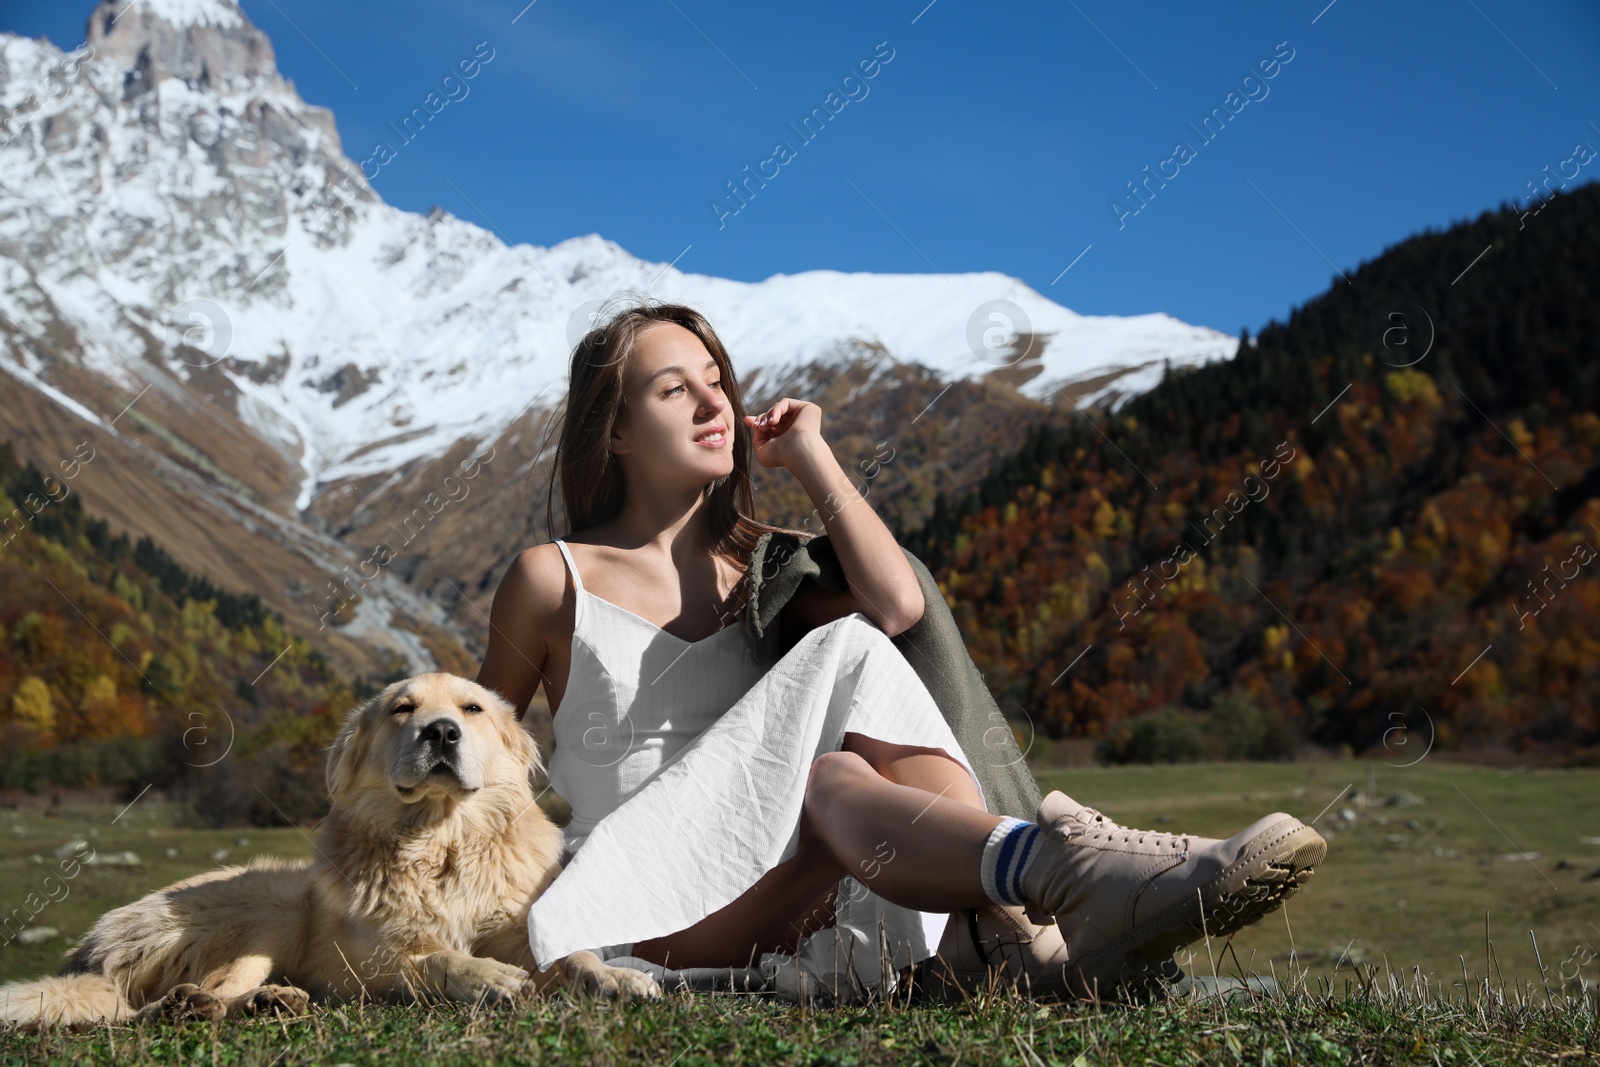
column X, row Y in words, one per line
column 535, row 584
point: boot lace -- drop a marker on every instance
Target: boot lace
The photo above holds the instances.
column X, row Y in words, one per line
column 1096, row 824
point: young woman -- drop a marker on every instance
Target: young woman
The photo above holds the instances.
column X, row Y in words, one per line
column 625, row 623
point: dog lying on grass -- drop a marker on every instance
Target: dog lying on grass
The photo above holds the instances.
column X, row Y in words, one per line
column 425, row 866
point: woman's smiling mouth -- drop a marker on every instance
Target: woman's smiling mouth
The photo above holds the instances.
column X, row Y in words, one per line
column 712, row 438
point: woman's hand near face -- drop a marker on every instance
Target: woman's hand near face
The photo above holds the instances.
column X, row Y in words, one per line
column 783, row 429
column 882, row 584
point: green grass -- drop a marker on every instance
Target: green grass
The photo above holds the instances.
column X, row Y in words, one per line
column 1412, row 884
column 683, row 1030
column 1370, row 960
column 30, row 834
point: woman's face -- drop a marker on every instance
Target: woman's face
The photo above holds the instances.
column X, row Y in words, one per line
column 674, row 400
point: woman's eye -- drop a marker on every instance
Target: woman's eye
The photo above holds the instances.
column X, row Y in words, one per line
column 716, row 384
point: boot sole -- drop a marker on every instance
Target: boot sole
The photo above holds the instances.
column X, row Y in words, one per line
column 1275, row 863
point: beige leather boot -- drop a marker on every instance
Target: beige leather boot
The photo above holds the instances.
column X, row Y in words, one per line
column 997, row 943
column 1126, row 899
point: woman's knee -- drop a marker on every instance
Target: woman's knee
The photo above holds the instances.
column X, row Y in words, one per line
column 831, row 774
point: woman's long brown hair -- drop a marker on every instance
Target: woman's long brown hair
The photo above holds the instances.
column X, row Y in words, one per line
column 592, row 484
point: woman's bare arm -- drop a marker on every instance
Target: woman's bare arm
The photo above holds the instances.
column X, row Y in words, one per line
column 526, row 605
column 883, row 586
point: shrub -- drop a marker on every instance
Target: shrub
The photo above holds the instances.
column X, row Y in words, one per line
column 1242, row 729
column 1166, row 735
column 1236, row 728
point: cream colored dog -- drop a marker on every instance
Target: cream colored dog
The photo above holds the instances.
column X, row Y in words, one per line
column 425, row 866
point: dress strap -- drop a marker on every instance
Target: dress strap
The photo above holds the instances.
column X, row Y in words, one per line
column 577, row 582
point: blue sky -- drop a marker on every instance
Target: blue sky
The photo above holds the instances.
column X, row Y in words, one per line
column 995, row 138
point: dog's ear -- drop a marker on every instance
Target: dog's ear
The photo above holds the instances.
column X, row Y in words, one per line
column 350, row 747
column 524, row 749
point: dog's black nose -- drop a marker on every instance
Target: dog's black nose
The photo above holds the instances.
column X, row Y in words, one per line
column 441, row 732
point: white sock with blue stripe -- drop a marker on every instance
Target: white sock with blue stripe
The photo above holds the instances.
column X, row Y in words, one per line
column 1011, row 847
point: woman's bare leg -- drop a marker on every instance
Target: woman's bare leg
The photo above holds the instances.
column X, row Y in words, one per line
column 924, row 768
column 916, row 840
column 906, row 822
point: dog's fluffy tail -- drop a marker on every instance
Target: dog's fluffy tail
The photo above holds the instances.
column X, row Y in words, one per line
column 63, row 1000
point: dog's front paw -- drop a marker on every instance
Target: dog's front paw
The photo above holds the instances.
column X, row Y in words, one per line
column 493, row 982
column 283, row 1000
column 620, row 983
column 183, row 1003
column 632, row 983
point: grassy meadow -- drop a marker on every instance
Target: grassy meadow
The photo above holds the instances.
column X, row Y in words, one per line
column 1381, row 958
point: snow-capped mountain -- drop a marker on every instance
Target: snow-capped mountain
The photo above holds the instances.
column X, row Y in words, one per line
column 175, row 178
column 192, row 267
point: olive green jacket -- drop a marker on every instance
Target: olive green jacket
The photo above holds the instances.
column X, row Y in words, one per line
column 784, row 563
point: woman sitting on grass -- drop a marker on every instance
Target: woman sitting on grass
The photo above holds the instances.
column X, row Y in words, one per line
column 705, row 851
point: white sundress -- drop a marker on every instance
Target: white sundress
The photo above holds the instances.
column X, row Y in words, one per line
column 685, row 764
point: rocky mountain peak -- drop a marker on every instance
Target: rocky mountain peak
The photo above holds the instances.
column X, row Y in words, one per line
column 179, row 178
column 208, row 43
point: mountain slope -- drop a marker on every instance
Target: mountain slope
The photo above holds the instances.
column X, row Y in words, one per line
column 122, row 669
column 1376, row 526
column 181, row 233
